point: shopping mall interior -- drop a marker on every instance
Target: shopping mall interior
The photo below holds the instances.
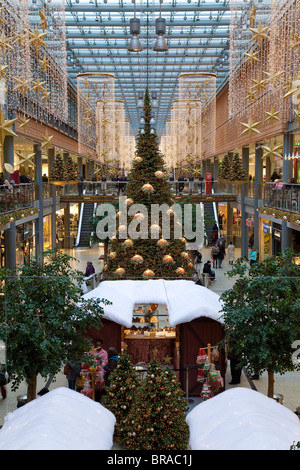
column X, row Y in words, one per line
column 216, row 82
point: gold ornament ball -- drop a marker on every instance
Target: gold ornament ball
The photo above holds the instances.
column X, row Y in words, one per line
column 148, row 273
column 120, row 271
column 168, row 259
column 128, row 201
column 139, row 215
column 184, row 255
column 128, row 242
column 137, row 159
column 155, row 228
column 180, row 271
column 122, row 228
column 162, row 242
column 159, row 174
column 112, row 255
column 137, row 259
column 148, row 188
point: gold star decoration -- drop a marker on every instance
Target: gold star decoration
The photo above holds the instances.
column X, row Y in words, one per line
column 155, row 352
column 45, row 63
column 25, row 159
column 2, row 71
column 272, row 116
column 46, row 95
column 37, row 38
column 271, row 152
column 47, row 140
column 24, row 122
column 38, row 85
column 259, row 84
column 250, row 127
column 5, row 127
column 167, row 360
column 4, row 43
column 43, row 17
column 251, row 56
column 259, row 33
column 23, row 85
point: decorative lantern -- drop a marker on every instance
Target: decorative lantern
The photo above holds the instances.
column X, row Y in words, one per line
column 148, row 273
column 168, row 259
column 137, row 259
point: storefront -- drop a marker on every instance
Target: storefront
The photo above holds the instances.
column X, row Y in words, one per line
column 265, row 242
column 25, row 240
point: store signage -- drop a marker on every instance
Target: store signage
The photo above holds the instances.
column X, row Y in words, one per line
column 277, row 234
column 267, row 228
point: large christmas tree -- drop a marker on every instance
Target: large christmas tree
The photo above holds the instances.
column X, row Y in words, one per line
column 157, row 417
column 152, row 254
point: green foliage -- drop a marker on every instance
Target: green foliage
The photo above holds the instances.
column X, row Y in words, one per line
column 43, row 317
column 120, row 394
column 262, row 312
column 157, row 417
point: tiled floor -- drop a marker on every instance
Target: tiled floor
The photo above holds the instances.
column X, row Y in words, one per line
column 288, row 384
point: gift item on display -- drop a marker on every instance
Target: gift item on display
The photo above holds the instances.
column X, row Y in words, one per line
column 208, row 375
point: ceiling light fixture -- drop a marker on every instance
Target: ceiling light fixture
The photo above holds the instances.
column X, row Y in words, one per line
column 135, row 28
column 160, row 29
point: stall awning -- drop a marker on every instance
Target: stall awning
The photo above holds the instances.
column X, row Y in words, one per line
column 242, row 419
column 184, row 299
column 62, row 419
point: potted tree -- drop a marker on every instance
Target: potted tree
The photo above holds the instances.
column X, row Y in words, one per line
column 44, row 318
column 261, row 314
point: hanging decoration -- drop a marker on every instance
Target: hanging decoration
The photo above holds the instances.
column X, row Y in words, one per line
column 106, row 117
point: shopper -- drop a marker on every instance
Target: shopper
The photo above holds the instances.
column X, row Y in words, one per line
column 2, row 383
column 235, row 367
column 214, row 254
column 89, row 269
column 72, row 371
column 230, row 250
column 221, row 254
column 207, row 270
column 112, row 363
column 253, row 256
column 100, row 354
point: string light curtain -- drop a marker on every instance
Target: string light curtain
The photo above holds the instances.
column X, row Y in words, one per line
column 120, row 131
column 105, row 117
column 197, row 99
column 33, row 43
column 249, row 84
column 284, row 57
column 175, row 135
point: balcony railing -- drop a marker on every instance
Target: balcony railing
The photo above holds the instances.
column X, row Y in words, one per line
column 283, row 196
column 16, row 196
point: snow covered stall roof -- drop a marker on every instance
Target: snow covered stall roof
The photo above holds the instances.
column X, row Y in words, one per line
column 184, row 299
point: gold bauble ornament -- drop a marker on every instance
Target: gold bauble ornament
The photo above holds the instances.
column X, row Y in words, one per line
column 138, row 259
column 128, row 242
column 148, row 273
column 184, row 255
column 159, row 174
column 120, row 271
column 139, row 215
column 155, row 228
column 180, row 271
column 183, row 240
column 112, row 255
column 137, row 159
column 148, row 188
column 128, row 201
column 162, row 242
column 122, row 228
column 168, row 259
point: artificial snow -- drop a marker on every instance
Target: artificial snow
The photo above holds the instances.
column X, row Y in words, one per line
column 242, row 419
column 62, row 419
column 184, row 299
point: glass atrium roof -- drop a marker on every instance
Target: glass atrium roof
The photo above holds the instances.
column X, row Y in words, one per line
column 197, row 35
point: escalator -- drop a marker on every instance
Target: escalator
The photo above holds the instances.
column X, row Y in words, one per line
column 84, row 228
column 210, row 220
